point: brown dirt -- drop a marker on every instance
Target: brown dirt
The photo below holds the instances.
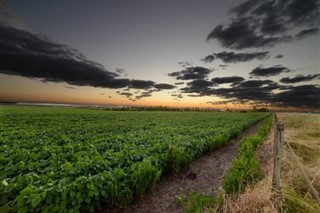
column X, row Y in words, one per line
column 204, row 176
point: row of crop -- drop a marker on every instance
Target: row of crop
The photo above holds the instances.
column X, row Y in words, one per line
column 74, row 176
column 119, row 187
column 245, row 168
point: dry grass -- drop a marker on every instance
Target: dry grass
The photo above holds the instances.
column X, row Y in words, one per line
column 302, row 133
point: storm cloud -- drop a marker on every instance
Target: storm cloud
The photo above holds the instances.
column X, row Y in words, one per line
column 164, row 86
column 208, row 59
column 305, row 33
column 197, row 86
column 25, row 54
column 232, row 57
column 299, row 78
column 126, row 94
column 141, row 84
column 191, row 73
column 144, row 95
column 278, row 56
column 265, row 23
column 226, row 80
column 305, row 96
column 270, row 71
column 185, row 64
column 260, row 92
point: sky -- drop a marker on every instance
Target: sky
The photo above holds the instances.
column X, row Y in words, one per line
column 176, row 53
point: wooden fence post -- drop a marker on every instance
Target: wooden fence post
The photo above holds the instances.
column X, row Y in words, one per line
column 278, row 141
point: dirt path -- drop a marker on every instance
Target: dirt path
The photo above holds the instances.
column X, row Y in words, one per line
column 204, row 176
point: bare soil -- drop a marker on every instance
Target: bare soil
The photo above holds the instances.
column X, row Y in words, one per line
column 204, row 176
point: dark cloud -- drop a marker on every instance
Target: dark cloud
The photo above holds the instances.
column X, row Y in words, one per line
column 270, row 71
column 163, row 86
column 225, row 80
column 305, row 33
column 120, row 70
column 265, row 23
column 278, row 56
column 306, row 96
column 25, row 54
column 272, row 24
column 241, row 34
column 109, row 96
column 177, row 96
column 130, row 95
column 237, row 89
column 232, row 57
column 185, row 64
column 253, row 83
column 197, row 86
column 208, row 59
column 179, row 83
column 252, row 90
column 126, row 94
column 141, row 84
column 299, row 78
column 143, row 95
column 290, row 13
column 234, row 35
column 191, row 73
column 101, row 94
column 301, row 12
column 200, row 83
column 255, row 91
column 224, row 102
column 244, row 8
column 223, row 66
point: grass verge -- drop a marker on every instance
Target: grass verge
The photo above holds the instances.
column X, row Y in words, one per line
column 301, row 132
column 245, row 167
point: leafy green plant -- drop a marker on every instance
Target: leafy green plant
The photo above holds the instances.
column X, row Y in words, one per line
column 144, row 177
column 56, row 159
column 195, row 202
column 177, row 159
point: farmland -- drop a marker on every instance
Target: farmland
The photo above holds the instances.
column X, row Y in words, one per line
column 70, row 160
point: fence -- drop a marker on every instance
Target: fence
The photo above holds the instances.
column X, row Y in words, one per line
column 277, row 153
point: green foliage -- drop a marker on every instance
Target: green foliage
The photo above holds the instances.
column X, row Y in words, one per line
column 71, row 159
column 177, row 159
column 195, row 202
column 245, row 168
column 218, row 141
column 144, row 177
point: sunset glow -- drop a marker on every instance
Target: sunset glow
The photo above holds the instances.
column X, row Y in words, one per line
column 176, row 54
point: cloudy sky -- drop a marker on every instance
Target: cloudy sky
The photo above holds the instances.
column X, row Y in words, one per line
column 170, row 53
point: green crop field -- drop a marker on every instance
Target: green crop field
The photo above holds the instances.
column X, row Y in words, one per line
column 71, row 159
